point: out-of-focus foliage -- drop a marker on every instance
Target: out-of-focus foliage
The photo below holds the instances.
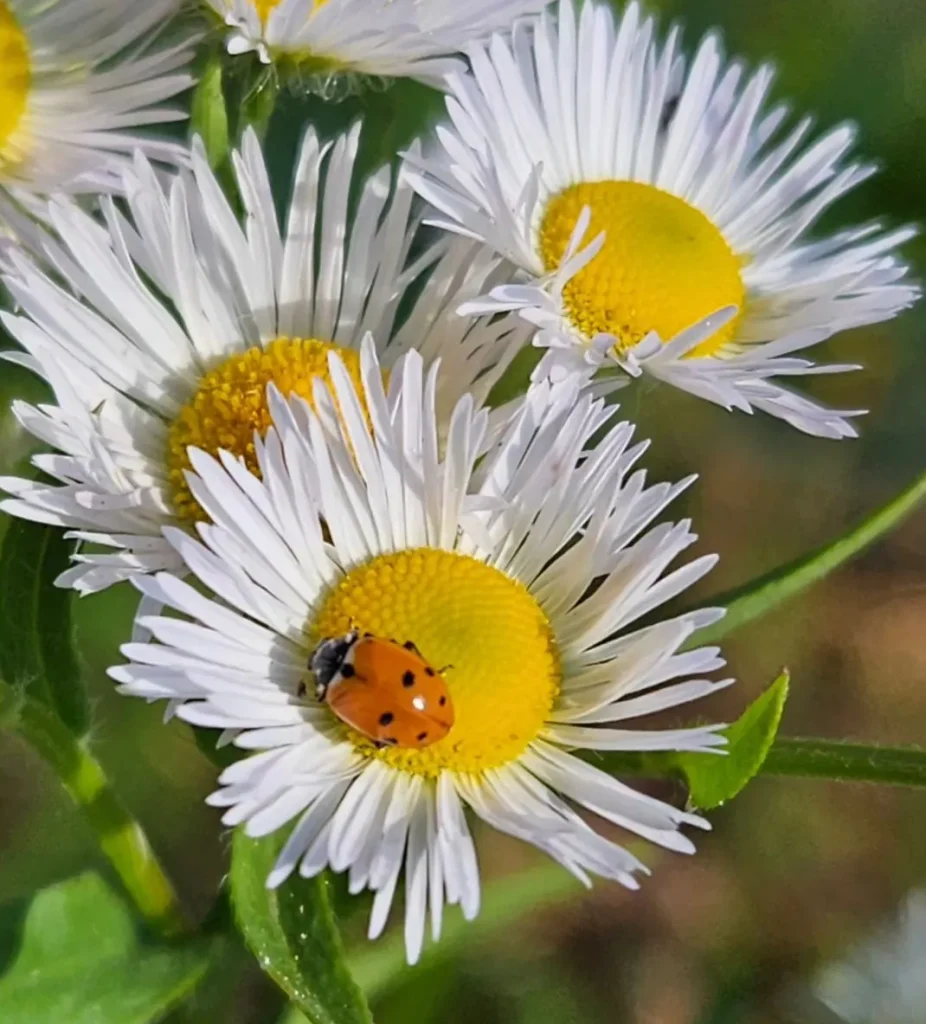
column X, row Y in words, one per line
column 78, row 959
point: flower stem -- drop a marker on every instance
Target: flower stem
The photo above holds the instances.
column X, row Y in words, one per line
column 849, row 762
column 810, row 758
column 765, row 592
column 119, row 835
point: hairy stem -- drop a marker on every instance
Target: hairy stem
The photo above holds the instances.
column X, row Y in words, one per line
column 807, row 758
column 849, row 762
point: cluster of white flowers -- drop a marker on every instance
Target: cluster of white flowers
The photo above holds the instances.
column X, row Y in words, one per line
column 282, row 431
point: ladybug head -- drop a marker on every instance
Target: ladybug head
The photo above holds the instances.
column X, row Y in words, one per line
column 328, row 657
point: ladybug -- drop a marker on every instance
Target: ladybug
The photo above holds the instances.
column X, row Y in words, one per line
column 383, row 689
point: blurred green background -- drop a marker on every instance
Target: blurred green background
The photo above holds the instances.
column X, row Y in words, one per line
column 794, row 872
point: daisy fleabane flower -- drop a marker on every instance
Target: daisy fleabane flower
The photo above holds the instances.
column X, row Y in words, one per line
column 160, row 329
column 388, row 38
column 523, row 573
column 659, row 215
column 74, row 75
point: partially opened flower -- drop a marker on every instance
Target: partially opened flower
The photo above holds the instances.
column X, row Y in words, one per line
column 389, row 38
column 502, row 605
column 639, row 199
column 162, row 329
column 74, row 76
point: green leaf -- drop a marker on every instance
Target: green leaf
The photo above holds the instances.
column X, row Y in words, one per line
column 380, row 965
column 760, row 595
column 80, row 961
column 209, row 117
column 36, row 636
column 293, row 933
column 713, row 779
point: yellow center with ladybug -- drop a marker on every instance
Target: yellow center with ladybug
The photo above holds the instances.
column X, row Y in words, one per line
column 435, row 662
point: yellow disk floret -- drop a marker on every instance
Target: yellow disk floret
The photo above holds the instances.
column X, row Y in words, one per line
column 264, row 7
column 231, row 403
column 503, row 673
column 15, row 79
column 663, row 266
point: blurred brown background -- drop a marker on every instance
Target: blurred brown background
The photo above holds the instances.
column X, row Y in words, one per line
column 794, row 872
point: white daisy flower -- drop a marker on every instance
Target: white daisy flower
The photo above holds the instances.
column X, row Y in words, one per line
column 644, row 202
column 74, row 75
column 389, row 38
column 162, row 329
column 881, row 979
column 524, row 576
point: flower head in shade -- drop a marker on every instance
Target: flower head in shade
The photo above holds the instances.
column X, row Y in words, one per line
column 524, row 572
column 163, row 328
column 881, row 978
column 389, row 38
column 74, row 76
column 659, row 213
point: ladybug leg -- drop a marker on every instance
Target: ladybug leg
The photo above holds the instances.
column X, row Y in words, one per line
column 321, row 692
column 302, row 688
column 410, row 645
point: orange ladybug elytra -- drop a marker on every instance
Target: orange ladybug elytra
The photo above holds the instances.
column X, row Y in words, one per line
column 383, row 689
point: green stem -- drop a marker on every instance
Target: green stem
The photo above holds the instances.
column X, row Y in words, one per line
column 119, row 835
column 848, row 762
column 831, row 760
column 760, row 595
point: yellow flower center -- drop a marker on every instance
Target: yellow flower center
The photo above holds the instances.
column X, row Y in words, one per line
column 503, row 673
column 15, row 77
column 264, row 7
column 663, row 265
column 231, row 403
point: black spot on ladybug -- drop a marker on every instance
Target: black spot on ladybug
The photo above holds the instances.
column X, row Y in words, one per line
column 366, row 636
column 429, row 671
column 442, row 701
column 348, row 671
column 422, row 736
column 408, row 678
column 386, row 718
